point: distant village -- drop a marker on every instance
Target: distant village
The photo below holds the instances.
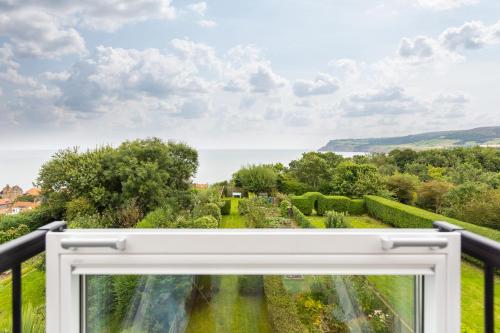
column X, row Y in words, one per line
column 14, row 200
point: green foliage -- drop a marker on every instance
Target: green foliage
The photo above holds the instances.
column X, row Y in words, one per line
column 33, row 319
column 323, row 203
column 243, row 206
column 355, row 180
column 208, row 209
column 281, row 308
column 256, row 178
column 33, row 219
column 304, row 204
column 403, row 186
column 334, row 219
column 26, row 198
column 226, row 207
column 314, row 169
column 300, row 218
column 458, row 197
column 284, row 207
column 162, row 217
column 292, row 186
column 484, row 210
column 79, row 207
column 204, row 222
column 149, row 171
column 403, row 216
column 12, row 233
column 250, row 285
column 96, row 221
column 431, row 194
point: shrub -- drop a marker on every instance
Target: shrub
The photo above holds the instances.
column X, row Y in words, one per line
column 335, row 220
column 208, row 209
column 95, row 221
column 403, row 216
column 79, row 207
column 33, row 219
column 12, row 233
column 243, row 206
column 226, row 207
column 250, row 284
column 300, row 218
column 431, row 194
column 403, row 186
column 159, row 218
column 484, row 210
column 280, row 306
column 276, row 222
column 204, row 222
column 284, row 208
column 334, row 202
column 304, row 204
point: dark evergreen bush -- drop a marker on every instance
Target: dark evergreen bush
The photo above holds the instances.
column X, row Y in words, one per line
column 226, row 207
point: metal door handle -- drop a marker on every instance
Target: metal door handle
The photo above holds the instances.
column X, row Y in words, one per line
column 73, row 243
column 392, row 243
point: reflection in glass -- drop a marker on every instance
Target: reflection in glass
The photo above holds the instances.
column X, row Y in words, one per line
column 248, row 304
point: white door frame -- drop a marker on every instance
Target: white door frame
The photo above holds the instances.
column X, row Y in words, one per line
column 434, row 255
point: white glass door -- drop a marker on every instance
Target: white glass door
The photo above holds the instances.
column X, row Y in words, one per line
column 242, row 281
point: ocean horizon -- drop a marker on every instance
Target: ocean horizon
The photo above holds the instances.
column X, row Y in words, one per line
column 20, row 167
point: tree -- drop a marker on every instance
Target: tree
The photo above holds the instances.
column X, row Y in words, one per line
column 146, row 172
column 430, row 195
column 403, row 186
column 402, row 157
column 256, row 178
column 356, row 180
column 315, row 169
column 458, row 197
column 484, row 209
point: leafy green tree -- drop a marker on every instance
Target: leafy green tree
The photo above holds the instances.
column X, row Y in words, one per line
column 484, row 209
column 314, row 169
column 402, row 157
column 458, row 197
column 357, row 180
column 256, row 178
column 403, row 186
column 430, row 195
column 148, row 173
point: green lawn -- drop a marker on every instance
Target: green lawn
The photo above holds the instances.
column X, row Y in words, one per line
column 33, row 292
column 472, row 284
column 228, row 311
column 234, row 220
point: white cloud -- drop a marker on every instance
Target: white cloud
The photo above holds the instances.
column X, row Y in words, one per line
column 106, row 15
column 200, row 8
column 323, row 84
column 444, row 4
column 207, row 23
column 264, row 80
column 380, row 102
column 36, row 33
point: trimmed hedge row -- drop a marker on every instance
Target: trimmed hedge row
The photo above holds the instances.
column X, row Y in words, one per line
column 403, row 216
column 282, row 311
column 300, row 218
column 324, row 203
column 226, row 207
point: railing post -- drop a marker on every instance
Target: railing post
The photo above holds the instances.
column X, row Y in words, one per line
column 489, row 275
column 16, row 298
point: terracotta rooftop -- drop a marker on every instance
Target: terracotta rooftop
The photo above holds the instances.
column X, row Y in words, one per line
column 34, row 192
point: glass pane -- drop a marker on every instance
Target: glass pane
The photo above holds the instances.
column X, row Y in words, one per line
column 248, row 304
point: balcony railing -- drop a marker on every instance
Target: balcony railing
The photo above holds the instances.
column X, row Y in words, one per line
column 486, row 251
column 15, row 252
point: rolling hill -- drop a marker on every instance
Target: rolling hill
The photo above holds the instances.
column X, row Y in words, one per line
column 484, row 136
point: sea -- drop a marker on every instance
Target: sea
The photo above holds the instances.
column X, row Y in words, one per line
column 21, row 167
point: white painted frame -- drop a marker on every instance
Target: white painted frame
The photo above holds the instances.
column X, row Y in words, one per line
column 271, row 251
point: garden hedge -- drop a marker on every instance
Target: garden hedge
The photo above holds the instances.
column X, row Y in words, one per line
column 403, row 216
column 323, row 203
column 226, row 207
column 300, row 218
column 281, row 308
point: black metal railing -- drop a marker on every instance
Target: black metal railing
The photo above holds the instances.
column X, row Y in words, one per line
column 14, row 253
column 488, row 252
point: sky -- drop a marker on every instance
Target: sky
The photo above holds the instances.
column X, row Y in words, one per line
column 244, row 74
